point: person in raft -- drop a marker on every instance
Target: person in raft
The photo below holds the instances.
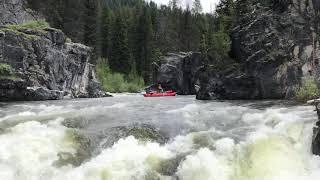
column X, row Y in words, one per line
column 159, row 88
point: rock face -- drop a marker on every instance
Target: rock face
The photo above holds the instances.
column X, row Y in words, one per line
column 36, row 63
column 45, row 67
column 272, row 43
column 15, row 12
column 316, row 134
column 178, row 71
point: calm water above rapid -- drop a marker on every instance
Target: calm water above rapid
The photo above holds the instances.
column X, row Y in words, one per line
column 208, row 140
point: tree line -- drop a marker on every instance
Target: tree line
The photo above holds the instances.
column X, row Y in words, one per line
column 132, row 34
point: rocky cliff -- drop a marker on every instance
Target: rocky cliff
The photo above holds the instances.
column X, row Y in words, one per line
column 316, row 133
column 273, row 45
column 178, row 71
column 15, row 12
column 36, row 63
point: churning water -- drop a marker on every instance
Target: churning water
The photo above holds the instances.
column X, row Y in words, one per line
column 89, row 140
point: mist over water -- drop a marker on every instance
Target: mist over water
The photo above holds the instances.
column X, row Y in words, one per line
column 204, row 140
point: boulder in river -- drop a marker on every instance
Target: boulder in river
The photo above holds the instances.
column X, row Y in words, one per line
column 142, row 132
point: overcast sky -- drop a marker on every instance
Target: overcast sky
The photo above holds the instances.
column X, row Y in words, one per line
column 207, row 5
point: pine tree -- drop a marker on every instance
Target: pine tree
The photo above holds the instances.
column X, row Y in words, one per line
column 173, row 28
column 149, row 48
column 106, row 32
column 196, row 7
column 174, row 4
column 225, row 13
column 203, row 44
column 186, row 30
column 145, row 46
column 90, row 22
column 120, row 58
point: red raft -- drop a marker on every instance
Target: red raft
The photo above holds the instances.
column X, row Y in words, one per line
column 159, row 94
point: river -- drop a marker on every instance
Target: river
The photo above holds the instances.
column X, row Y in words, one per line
column 84, row 139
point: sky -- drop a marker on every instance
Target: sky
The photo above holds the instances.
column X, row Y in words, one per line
column 207, row 5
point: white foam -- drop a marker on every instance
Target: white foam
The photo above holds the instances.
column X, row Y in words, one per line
column 188, row 110
column 277, row 149
column 204, row 165
column 119, row 105
column 29, row 150
column 225, row 146
column 127, row 159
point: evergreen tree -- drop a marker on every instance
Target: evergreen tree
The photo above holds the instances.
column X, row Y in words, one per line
column 196, row 7
column 225, row 13
column 120, row 57
column 174, row 4
column 90, row 22
column 106, row 32
column 145, row 45
column 186, row 30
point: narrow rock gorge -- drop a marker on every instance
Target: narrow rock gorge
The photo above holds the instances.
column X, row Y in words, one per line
column 178, row 71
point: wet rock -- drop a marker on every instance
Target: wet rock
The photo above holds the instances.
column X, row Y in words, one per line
column 272, row 44
column 80, row 143
column 178, row 72
column 143, row 132
column 316, row 141
column 316, row 134
column 169, row 167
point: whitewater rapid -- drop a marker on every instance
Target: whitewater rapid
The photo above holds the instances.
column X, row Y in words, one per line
column 63, row 140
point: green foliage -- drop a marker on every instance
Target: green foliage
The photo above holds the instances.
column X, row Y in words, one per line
column 36, row 25
column 5, row 69
column 120, row 57
column 144, row 41
column 218, row 39
column 221, row 42
column 68, row 40
column 106, row 21
column 116, row 82
column 308, row 90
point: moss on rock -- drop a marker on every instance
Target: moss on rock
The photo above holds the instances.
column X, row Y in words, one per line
column 34, row 25
column 6, row 69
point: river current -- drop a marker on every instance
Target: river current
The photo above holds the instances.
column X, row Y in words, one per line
column 205, row 140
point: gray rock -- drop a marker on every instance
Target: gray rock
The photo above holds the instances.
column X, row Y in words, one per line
column 178, row 71
column 15, row 12
column 143, row 132
column 45, row 67
column 272, row 43
column 316, row 134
